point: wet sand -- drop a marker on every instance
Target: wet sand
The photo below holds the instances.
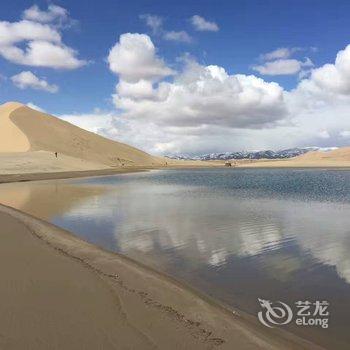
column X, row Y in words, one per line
column 53, row 175
column 59, row 292
column 7, row 178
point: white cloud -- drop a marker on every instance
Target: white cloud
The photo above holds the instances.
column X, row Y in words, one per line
column 279, row 62
column 34, row 106
column 143, row 89
column 200, row 95
column 327, row 86
column 282, row 67
column 282, row 52
column 345, row 133
column 32, row 43
column 98, row 122
column 181, row 36
column 204, row 109
column 324, row 134
column 201, row 24
column 208, row 96
column 27, row 79
column 12, row 33
column 153, row 21
column 334, row 78
column 53, row 13
column 191, row 113
column 204, row 105
column 43, row 54
column 134, row 58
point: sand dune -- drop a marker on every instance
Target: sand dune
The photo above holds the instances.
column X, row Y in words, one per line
column 12, row 138
column 340, row 155
column 43, row 161
column 23, row 129
column 337, row 159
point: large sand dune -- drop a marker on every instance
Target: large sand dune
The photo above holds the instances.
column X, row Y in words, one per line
column 339, row 155
column 337, row 159
column 23, row 129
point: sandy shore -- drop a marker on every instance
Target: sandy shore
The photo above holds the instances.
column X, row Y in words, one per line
column 39, row 174
column 6, row 178
column 294, row 163
column 59, row 292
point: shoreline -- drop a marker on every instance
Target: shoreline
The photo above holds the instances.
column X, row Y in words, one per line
column 8, row 178
column 37, row 176
column 202, row 322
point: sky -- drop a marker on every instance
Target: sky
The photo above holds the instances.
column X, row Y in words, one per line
column 188, row 76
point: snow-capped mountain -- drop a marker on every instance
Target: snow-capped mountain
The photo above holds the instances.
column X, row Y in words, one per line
column 267, row 154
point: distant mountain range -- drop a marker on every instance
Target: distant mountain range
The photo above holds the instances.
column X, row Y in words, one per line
column 267, row 154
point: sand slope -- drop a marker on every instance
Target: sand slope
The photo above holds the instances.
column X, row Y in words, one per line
column 42, row 161
column 340, row 155
column 337, row 159
column 54, row 304
column 59, row 292
column 12, row 138
column 23, row 129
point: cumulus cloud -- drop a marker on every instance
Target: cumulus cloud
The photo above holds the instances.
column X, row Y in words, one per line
column 202, row 105
column 178, row 36
column 198, row 107
column 43, row 54
column 13, row 33
column 189, row 111
column 280, row 53
column 282, row 67
column 53, row 13
column 207, row 95
column 334, row 78
column 279, row 62
column 134, row 58
column 201, row 24
column 327, row 86
column 154, row 22
column 198, row 97
column 27, row 79
column 99, row 122
column 140, row 90
column 320, row 103
column 37, row 42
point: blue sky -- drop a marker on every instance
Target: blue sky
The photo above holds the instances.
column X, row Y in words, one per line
column 311, row 30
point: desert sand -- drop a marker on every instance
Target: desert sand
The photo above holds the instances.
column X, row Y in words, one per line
column 24, row 129
column 59, row 292
column 339, row 158
column 30, row 139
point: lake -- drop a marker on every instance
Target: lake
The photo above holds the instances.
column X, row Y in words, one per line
column 234, row 234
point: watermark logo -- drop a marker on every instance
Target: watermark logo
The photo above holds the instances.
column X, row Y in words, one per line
column 306, row 313
column 274, row 314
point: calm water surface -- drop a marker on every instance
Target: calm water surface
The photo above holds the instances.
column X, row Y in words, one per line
column 235, row 234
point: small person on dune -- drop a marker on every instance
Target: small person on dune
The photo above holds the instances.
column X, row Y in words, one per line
column 56, row 154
